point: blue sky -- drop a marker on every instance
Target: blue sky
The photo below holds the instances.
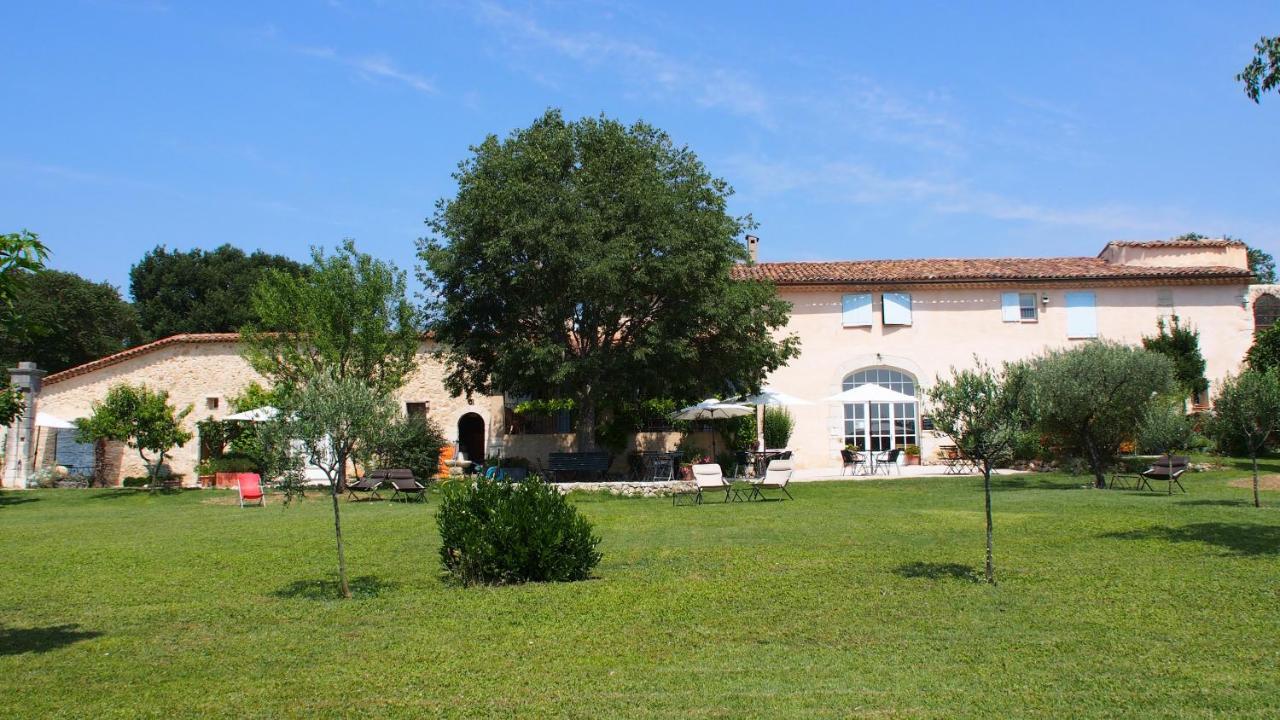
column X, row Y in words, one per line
column 850, row 130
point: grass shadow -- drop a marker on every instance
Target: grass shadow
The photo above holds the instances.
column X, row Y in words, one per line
column 14, row 498
column 365, row 586
column 16, row 641
column 1217, row 503
column 122, row 492
column 1244, row 539
column 937, row 571
column 1266, row 465
column 1022, row 482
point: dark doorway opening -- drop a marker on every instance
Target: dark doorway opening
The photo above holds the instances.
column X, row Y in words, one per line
column 471, row 437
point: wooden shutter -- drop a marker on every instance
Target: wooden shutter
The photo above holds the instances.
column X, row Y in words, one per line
column 857, row 310
column 1082, row 316
column 897, row 308
column 1010, row 309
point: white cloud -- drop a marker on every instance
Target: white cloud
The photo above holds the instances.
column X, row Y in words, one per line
column 373, row 66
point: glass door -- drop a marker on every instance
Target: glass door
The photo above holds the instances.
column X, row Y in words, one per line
column 880, row 426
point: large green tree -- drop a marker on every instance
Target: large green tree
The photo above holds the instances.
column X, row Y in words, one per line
column 1246, row 413
column 199, row 291
column 1181, row 344
column 1264, row 353
column 1262, row 74
column 980, row 410
column 67, row 320
column 1090, row 398
column 21, row 254
column 591, row 261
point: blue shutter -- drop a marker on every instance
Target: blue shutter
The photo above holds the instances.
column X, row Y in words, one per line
column 1082, row 317
column 1010, row 310
column 856, row 310
column 897, row 308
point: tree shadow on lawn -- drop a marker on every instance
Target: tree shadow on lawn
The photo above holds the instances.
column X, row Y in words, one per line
column 1023, row 482
column 937, row 571
column 1217, row 503
column 1245, row 539
column 1266, row 465
column 16, row 641
column 365, row 586
column 123, row 492
column 13, row 498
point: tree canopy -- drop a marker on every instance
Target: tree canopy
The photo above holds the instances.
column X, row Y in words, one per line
column 140, row 417
column 1181, row 344
column 199, row 291
column 21, row 254
column 67, row 321
column 591, row 260
column 348, row 316
column 1264, row 353
column 1091, row 398
column 1262, row 74
column 1246, row 413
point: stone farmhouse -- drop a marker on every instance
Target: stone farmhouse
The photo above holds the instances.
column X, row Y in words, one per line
column 894, row 323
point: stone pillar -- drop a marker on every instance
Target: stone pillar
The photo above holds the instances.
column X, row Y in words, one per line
column 19, row 443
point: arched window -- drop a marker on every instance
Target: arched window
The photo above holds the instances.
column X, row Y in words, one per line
column 1266, row 310
column 879, row 425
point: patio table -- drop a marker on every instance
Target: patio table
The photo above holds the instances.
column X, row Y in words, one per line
column 761, row 458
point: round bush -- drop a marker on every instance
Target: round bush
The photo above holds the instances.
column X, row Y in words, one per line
column 495, row 532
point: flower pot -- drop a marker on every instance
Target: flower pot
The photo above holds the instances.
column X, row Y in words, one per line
column 912, row 459
column 208, row 481
column 686, row 473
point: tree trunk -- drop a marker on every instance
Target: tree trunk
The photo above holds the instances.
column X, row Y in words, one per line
column 337, row 528
column 1095, row 464
column 1256, row 502
column 986, row 487
column 153, row 471
column 585, row 438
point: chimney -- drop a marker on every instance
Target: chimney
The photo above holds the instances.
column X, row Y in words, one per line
column 753, row 248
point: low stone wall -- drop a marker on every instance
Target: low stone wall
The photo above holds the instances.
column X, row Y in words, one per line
column 626, row 489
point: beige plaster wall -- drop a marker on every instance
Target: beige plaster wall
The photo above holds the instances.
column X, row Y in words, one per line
column 1177, row 256
column 952, row 326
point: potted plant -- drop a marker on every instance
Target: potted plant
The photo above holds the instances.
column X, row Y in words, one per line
column 913, row 454
column 205, row 470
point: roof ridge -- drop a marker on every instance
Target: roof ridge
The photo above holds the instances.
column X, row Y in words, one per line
column 136, row 350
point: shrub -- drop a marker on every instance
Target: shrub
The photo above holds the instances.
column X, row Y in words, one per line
column 778, row 425
column 498, row 533
column 135, row 482
column 411, row 442
column 234, row 464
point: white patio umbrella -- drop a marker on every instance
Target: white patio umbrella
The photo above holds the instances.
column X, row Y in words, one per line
column 262, row 414
column 770, row 395
column 871, row 393
column 712, row 409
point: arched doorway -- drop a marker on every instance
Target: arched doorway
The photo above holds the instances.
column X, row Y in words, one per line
column 471, row 437
column 879, row 426
column 1266, row 310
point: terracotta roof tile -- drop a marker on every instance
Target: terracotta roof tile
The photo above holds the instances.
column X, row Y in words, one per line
column 969, row 270
column 1213, row 243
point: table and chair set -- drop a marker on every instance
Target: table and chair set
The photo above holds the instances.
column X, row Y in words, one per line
column 859, row 462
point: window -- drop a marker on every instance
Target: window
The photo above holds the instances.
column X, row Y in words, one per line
column 895, row 308
column 1082, row 316
column 1266, row 310
column 1164, row 301
column 211, row 403
column 856, row 310
column 880, row 426
column 1019, row 307
column 417, row 409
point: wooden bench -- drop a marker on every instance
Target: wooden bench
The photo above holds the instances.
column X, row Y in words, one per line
column 565, row 466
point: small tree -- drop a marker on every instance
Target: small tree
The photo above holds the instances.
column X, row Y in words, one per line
column 1165, row 427
column 1091, row 398
column 1264, row 353
column 21, row 254
column 334, row 418
column 980, row 410
column 1246, row 413
column 1181, row 344
column 141, row 418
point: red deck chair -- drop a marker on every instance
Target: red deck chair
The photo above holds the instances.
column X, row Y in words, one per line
column 250, row 487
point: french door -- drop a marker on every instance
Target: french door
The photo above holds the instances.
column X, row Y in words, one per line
column 879, row 426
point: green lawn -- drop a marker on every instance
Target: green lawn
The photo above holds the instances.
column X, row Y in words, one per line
column 856, row 599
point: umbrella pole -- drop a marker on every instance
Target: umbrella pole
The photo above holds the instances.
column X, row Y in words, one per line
column 760, row 426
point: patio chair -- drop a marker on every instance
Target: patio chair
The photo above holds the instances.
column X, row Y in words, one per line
column 405, row 484
column 249, row 486
column 888, row 460
column 660, row 470
column 775, row 478
column 1166, row 469
column 367, row 485
column 707, row 478
column 852, row 461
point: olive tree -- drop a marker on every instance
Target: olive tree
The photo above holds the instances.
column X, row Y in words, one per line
column 1090, row 398
column 334, row 418
column 1245, row 414
column 979, row 410
column 140, row 417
